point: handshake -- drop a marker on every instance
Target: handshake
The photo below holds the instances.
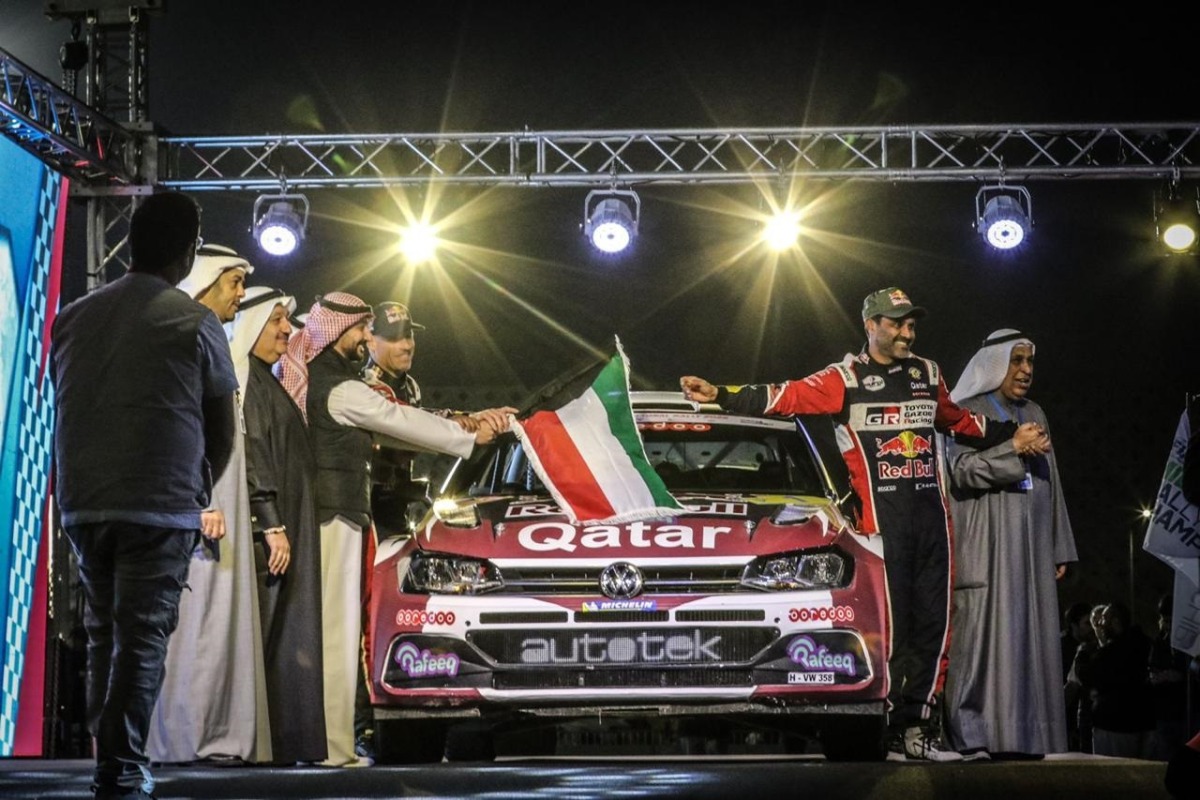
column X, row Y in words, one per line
column 486, row 424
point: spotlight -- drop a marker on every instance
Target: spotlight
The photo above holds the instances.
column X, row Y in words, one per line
column 280, row 230
column 1176, row 222
column 610, row 218
column 1003, row 215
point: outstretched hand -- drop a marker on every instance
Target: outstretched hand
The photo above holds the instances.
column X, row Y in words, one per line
column 697, row 389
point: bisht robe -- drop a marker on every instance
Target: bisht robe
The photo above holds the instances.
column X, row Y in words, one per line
column 1004, row 689
column 281, row 473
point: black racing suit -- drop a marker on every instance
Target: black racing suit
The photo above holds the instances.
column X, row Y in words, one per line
column 886, row 417
column 392, row 486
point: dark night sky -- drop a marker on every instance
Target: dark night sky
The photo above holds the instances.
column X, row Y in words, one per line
column 1113, row 320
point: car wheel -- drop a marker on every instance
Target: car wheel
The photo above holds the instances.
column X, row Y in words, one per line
column 854, row 738
column 410, row 741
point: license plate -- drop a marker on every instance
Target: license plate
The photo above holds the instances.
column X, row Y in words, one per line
column 811, row 678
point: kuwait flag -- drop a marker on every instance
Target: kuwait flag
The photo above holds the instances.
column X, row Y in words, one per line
column 584, row 445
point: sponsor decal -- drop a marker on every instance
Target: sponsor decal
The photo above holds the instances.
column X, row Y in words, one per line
column 882, row 415
column 815, row 657
column 811, row 678
column 915, row 373
column 921, row 486
column 694, row 427
column 912, row 468
column 619, row 605
column 873, row 383
column 718, row 508
column 418, row 663
column 644, row 648
column 885, row 487
column 906, row 443
column 900, row 415
column 549, row 509
column 524, row 510
column 822, row 614
column 409, row 617
column 543, row 537
column 894, row 370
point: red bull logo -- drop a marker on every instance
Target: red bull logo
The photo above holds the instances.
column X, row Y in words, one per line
column 906, row 444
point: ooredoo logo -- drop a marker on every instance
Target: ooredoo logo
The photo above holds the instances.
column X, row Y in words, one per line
column 822, row 614
column 411, row 616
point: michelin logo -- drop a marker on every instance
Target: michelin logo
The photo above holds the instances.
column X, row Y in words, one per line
column 619, row 605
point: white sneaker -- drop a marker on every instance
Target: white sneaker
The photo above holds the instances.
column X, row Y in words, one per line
column 920, row 744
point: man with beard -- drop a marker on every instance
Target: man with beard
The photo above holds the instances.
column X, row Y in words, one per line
column 321, row 371
column 213, row 703
column 887, row 405
column 281, row 477
column 392, row 347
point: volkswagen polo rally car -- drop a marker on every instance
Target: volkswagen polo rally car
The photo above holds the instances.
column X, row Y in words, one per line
column 759, row 606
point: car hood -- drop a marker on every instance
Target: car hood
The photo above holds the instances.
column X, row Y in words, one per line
column 715, row 526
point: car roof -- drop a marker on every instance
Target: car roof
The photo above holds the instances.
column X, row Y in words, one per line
column 667, row 401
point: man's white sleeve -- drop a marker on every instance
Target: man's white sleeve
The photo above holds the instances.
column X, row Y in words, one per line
column 355, row 404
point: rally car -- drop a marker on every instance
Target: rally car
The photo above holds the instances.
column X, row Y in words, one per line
column 759, row 606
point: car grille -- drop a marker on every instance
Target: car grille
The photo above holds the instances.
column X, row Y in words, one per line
column 510, row 647
column 622, row 678
column 716, row 579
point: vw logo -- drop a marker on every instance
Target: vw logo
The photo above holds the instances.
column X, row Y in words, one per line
column 621, row 580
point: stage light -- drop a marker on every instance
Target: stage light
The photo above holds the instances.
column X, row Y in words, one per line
column 782, row 230
column 280, row 230
column 418, row 243
column 610, row 218
column 1003, row 215
column 1177, row 221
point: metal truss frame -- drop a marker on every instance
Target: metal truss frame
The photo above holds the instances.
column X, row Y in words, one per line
column 683, row 156
column 67, row 134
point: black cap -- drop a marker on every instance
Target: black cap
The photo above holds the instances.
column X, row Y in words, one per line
column 393, row 322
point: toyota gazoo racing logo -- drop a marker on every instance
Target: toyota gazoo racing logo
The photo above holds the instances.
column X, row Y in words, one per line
column 907, row 443
column 621, row 580
column 815, row 657
column 917, row 414
column 418, row 663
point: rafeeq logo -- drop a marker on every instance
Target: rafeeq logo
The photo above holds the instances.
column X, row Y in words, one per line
column 817, row 658
column 418, row 663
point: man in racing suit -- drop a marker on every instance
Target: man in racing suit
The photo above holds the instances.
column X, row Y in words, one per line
column 887, row 405
column 391, row 348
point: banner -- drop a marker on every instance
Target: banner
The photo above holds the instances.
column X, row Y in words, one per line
column 1172, row 537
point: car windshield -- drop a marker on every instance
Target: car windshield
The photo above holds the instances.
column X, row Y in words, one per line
column 690, row 456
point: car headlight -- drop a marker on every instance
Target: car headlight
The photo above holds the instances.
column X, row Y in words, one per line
column 825, row 569
column 434, row 573
column 457, row 513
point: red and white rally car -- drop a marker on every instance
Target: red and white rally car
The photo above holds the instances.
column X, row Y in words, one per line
column 760, row 606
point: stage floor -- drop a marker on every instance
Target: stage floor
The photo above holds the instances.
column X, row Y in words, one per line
column 1061, row 777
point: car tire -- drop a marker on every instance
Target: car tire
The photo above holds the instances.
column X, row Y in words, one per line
column 854, row 738
column 410, row 741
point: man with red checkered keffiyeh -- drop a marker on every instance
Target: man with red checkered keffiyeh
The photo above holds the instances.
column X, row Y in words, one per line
column 321, row 372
